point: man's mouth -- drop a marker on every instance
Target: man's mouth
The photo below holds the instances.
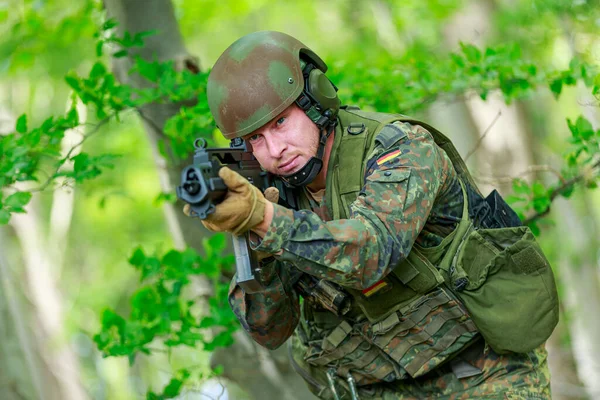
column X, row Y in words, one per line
column 289, row 165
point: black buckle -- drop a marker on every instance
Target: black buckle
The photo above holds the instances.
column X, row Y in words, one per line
column 303, row 102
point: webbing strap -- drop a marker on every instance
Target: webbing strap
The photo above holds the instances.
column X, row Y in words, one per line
column 338, row 353
column 461, row 232
column 360, row 362
column 338, row 335
column 383, row 370
column 412, row 319
column 406, row 343
column 453, row 313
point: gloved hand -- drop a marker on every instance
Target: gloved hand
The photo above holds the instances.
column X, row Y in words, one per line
column 242, row 209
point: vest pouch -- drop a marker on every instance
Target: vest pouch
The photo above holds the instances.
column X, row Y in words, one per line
column 346, row 349
column 408, row 343
column 507, row 285
column 426, row 334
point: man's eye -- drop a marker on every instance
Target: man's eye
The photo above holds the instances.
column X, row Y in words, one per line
column 253, row 138
column 280, row 121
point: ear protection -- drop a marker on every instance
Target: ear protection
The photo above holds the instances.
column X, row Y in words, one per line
column 322, row 90
column 319, row 99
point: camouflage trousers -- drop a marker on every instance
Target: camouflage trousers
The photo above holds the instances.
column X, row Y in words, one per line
column 507, row 376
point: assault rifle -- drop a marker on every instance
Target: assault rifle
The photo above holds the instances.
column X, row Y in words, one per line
column 202, row 189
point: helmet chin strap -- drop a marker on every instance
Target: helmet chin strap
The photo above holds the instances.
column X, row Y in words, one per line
column 311, row 169
column 325, row 120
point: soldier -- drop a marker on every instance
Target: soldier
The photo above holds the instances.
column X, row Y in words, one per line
column 389, row 216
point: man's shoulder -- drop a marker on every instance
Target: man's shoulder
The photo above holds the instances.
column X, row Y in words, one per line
column 402, row 134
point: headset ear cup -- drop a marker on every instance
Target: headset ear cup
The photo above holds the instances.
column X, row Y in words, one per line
column 323, row 90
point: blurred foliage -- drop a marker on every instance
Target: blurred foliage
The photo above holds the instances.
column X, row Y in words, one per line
column 383, row 55
column 157, row 309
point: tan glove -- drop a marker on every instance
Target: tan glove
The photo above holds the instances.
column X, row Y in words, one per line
column 242, row 209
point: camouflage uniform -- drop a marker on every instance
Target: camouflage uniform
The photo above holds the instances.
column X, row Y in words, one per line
column 385, row 240
column 411, row 193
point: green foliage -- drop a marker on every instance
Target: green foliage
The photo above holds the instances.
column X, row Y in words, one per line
column 172, row 86
column 159, row 309
column 173, row 389
column 106, row 37
column 33, row 32
column 468, row 71
column 28, row 154
column 585, row 141
column 582, row 162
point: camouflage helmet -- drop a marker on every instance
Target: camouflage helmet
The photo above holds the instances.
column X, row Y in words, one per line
column 258, row 77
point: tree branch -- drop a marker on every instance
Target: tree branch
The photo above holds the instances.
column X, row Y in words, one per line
column 488, row 129
column 508, row 179
column 558, row 190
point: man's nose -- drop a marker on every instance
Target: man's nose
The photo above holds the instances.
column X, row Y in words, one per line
column 276, row 146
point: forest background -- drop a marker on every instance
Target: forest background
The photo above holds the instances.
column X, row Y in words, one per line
column 109, row 292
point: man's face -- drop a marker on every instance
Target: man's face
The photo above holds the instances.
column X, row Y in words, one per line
column 286, row 143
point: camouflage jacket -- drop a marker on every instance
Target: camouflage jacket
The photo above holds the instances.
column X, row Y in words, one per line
column 411, row 195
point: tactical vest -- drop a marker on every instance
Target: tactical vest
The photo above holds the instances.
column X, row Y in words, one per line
column 493, row 281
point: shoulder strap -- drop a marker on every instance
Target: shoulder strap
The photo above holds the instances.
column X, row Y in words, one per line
column 358, row 132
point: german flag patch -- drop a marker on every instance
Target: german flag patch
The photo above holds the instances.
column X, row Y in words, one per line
column 387, row 157
column 371, row 290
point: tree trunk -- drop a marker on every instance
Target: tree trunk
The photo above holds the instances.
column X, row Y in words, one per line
column 21, row 370
column 260, row 373
column 54, row 368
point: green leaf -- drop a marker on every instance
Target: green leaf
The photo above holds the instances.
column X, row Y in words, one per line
column 458, row 60
column 138, row 39
column 97, row 71
column 512, row 199
column 17, row 200
column 173, row 388
column 99, row 47
column 172, row 259
column 21, row 124
column 109, row 24
column 568, row 191
column 137, row 258
column 556, row 87
column 73, row 117
column 4, row 217
column 164, row 198
column 539, row 190
column 73, row 81
column 120, row 54
column 218, row 369
column 584, row 128
column 573, row 128
column 218, row 242
column 535, row 229
column 150, row 268
column 80, row 162
column 472, row 53
column 521, row 187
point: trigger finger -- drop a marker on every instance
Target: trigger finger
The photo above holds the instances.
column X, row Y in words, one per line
column 272, row 194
